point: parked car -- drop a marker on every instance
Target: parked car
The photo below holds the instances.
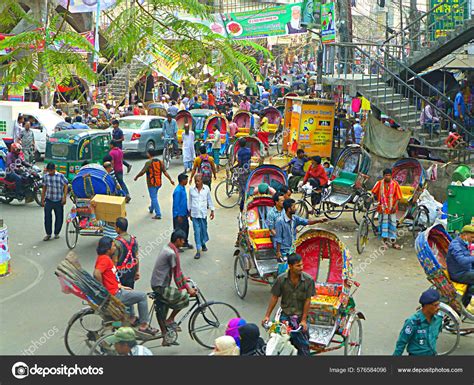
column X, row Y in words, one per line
column 141, row 133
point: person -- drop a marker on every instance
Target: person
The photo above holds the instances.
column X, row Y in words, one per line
column 211, row 100
column 317, row 177
column 125, row 343
column 216, row 146
column 244, row 104
column 53, row 198
column 275, row 212
column 86, row 117
column 189, row 152
column 154, row 168
column 232, row 329
column 117, row 161
column 296, row 165
column 118, row 137
column 251, row 344
column 244, row 156
column 420, row 332
column 388, row 194
column 136, row 110
column 460, row 262
column 429, row 119
column 180, row 208
column 225, row 346
column 110, row 170
column 14, row 167
column 358, row 131
column 17, row 128
column 173, row 109
column 78, row 125
column 328, row 168
column 285, row 228
column 28, row 143
column 459, row 106
column 199, row 202
column 205, row 166
column 195, row 105
column 66, row 125
column 127, row 254
column 263, row 132
column 167, row 266
column 295, row 288
column 170, row 130
column 105, row 272
column 286, row 191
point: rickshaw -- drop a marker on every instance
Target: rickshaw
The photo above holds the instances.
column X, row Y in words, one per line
column 255, row 256
column 346, row 192
column 183, row 117
column 100, row 112
column 227, row 192
column 274, row 117
column 200, row 117
column 91, row 179
column 332, row 317
column 432, row 246
column 69, row 149
column 279, row 91
column 223, row 124
column 244, row 122
column 411, row 176
column 157, row 109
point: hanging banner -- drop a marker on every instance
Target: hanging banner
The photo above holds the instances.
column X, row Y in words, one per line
column 275, row 21
column 442, row 24
column 79, row 6
column 328, row 23
column 311, row 14
column 165, row 62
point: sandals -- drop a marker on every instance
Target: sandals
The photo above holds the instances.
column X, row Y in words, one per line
column 173, row 325
column 148, row 330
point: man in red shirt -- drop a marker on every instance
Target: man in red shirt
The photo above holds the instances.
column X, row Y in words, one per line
column 105, row 273
column 211, row 99
column 317, row 177
column 117, row 157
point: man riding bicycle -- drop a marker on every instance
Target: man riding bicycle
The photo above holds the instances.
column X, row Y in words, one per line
column 170, row 130
column 168, row 265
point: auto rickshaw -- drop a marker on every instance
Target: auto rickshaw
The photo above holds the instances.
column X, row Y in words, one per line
column 157, row 109
column 70, row 149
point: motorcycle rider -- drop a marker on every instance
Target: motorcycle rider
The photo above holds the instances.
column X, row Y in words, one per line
column 15, row 164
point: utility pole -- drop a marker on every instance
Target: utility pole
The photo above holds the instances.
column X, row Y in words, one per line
column 344, row 32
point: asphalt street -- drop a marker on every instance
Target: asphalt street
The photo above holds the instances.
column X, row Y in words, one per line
column 34, row 311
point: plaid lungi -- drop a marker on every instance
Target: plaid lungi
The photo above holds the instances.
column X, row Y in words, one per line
column 173, row 297
column 388, row 226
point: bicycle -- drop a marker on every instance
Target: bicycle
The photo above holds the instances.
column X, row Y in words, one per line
column 227, row 192
column 169, row 151
column 368, row 219
column 304, row 206
column 204, row 316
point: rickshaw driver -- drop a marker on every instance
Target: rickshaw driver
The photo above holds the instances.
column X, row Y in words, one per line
column 460, row 262
column 170, row 130
column 295, row 288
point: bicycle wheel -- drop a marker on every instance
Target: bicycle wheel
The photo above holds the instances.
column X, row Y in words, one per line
column 331, row 210
column 362, row 235
column 353, row 342
column 227, row 194
column 72, row 233
column 421, row 220
column 448, row 339
column 360, row 208
column 279, row 142
column 83, row 330
column 103, row 346
column 302, row 209
column 209, row 321
column 241, row 276
column 166, row 157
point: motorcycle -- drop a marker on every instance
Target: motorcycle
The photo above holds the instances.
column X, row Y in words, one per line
column 32, row 187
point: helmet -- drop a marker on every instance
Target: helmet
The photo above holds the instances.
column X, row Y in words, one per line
column 16, row 147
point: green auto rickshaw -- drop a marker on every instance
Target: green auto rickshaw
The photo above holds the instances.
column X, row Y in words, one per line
column 69, row 150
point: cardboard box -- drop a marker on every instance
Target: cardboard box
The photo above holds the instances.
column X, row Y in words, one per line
column 108, row 208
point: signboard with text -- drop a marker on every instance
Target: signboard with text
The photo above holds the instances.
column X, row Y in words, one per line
column 441, row 23
column 328, row 23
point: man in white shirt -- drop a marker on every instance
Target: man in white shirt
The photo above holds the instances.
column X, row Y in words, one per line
column 216, row 146
column 199, row 202
column 17, row 127
column 189, row 152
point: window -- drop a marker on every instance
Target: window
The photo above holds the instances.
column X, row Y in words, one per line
column 60, row 150
column 156, row 123
column 131, row 124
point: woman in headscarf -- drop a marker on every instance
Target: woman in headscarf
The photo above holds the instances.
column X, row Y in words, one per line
column 251, row 344
column 233, row 329
column 225, row 346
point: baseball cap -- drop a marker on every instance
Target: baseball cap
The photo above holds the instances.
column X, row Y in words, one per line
column 123, row 334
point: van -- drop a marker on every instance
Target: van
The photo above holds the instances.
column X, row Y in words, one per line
column 43, row 122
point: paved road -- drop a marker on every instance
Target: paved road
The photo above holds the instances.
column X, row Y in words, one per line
column 35, row 312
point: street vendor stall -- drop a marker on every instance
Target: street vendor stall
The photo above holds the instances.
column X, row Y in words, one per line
column 308, row 124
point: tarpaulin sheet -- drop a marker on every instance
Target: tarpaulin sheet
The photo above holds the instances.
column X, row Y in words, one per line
column 385, row 141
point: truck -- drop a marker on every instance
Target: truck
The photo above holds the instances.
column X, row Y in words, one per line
column 43, row 122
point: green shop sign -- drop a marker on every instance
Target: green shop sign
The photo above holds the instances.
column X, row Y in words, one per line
column 447, row 16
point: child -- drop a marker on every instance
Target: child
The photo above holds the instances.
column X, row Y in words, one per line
column 328, row 168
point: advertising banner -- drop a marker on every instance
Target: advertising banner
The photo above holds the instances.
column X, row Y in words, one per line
column 165, row 62
column 311, row 14
column 443, row 24
column 275, row 21
column 328, row 23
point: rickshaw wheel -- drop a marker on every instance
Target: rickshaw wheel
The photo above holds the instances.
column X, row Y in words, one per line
column 448, row 339
column 241, row 277
column 353, row 342
column 332, row 211
column 421, row 220
column 301, row 209
column 279, row 142
column 362, row 235
column 72, row 233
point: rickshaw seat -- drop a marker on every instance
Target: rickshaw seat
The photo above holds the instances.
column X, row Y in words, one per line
column 345, row 179
column 460, row 288
column 407, row 193
column 327, row 298
column 261, row 239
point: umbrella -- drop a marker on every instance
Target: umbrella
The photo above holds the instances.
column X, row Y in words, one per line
column 443, row 81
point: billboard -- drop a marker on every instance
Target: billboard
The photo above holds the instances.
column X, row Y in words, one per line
column 328, row 23
column 311, row 14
